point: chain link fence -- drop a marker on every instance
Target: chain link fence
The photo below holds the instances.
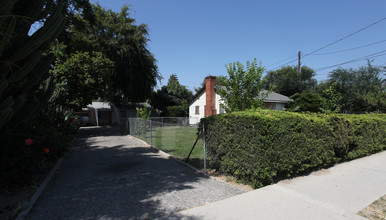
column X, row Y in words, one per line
column 172, row 135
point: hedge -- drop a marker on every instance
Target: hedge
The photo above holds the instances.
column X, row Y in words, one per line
column 265, row 146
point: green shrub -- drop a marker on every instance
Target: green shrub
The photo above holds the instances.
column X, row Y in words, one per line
column 48, row 139
column 263, row 147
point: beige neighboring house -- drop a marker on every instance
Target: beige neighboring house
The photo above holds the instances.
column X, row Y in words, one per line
column 208, row 102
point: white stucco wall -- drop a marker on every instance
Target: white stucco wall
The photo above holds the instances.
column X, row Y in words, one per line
column 201, row 102
column 280, row 106
column 274, row 106
column 218, row 102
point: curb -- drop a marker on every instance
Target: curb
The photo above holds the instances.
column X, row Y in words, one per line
column 40, row 190
column 168, row 156
column 42, row 187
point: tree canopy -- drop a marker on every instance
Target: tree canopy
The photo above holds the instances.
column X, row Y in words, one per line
column 120, row 41
column 81, row 78
column 361, row 90
column 241, row 89
column 346, row 91
column 172, row 99
column 288, row 81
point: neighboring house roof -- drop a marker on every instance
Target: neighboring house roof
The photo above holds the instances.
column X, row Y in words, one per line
column 272, row 96
column 275, row 97
column 100, row 105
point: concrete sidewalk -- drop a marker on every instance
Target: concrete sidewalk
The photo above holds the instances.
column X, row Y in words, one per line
column 335, row 193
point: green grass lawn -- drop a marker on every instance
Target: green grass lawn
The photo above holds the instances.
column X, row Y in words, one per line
column 177, row 141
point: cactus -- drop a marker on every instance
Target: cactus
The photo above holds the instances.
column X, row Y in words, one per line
column 6, row 110
column 27, row 67
column 23, row 69
column 3, row 84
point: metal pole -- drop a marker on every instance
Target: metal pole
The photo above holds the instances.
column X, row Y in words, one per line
column 203, row 137
column 151, row 133
column 96, row 117
column 127, row 125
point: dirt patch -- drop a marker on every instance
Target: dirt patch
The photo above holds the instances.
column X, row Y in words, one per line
column 15, row 200
column 377, row 210
column 229, row 179
column 321, row 172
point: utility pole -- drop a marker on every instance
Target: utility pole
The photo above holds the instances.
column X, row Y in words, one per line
column 299, row 54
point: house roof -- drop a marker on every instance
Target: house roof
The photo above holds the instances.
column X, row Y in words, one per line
column 272, row 96
column 100, row 105
column 275, row 97
column 197, row 95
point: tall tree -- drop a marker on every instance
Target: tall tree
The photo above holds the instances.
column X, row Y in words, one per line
column 362, row 89
column 288, row 80
column 80, row 78
column 119, row 39
column 172, row 99
column 242, row 88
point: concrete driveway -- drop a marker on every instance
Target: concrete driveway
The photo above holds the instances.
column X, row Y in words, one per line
column 111, row 176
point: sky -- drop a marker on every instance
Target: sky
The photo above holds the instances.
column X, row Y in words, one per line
column 197, row 38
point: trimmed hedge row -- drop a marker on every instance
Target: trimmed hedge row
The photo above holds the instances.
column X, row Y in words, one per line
column 263, row 147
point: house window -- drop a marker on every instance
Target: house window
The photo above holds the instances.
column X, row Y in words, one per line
column 197, row 110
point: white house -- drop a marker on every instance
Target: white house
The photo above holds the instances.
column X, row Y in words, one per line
column 207, row 102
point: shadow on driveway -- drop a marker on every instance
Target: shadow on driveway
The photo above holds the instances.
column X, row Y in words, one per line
column 111, row 176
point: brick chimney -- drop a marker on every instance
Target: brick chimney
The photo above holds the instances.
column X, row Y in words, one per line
column 210, row 83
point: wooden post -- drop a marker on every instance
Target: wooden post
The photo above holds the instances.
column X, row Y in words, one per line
column 299, row 54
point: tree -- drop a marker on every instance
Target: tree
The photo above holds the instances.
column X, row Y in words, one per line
column 172, row 99
column 288, row 80
column 332, row 99
column 123, row 42
column 242, row 89
column 362, row 89
column 81, row 78
column 306, row 102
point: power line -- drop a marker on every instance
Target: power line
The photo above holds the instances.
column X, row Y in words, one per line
column 347, row 36
column 362, row 29
column 354, row 48
column 283, row 65
column 377, row 54
column 283, row 60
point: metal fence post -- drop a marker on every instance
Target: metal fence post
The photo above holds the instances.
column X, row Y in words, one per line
column 203, row 137
column 127, row 125
column 151, row 133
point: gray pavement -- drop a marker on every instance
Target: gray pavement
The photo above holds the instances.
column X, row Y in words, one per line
column 111, row 176
column 335, row 193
